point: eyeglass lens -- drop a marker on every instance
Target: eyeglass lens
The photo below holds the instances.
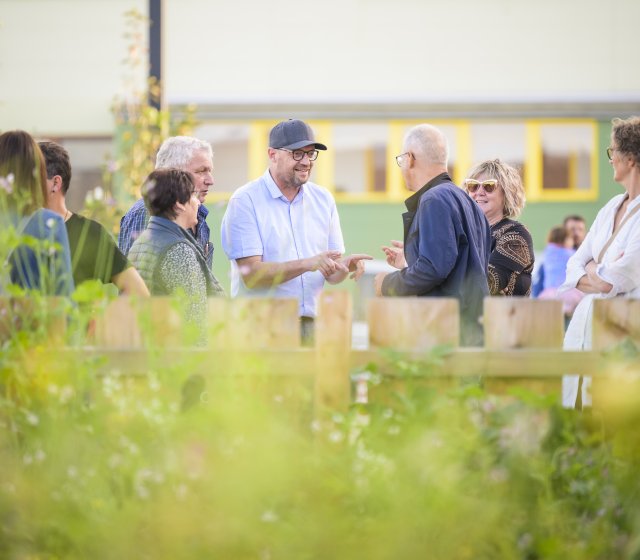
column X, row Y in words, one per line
column 298, row 155
column 488, row 186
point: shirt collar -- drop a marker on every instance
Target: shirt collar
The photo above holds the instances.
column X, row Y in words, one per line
column 275, row 191
column 412, row 202
column 202, row 212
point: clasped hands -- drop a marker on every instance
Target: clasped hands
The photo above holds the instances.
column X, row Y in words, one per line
column 334, row 267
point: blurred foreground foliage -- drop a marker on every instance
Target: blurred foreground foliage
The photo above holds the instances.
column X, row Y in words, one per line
column 172, row 465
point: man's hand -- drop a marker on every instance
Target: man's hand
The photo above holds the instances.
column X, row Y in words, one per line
column 355, row 264
column 377, row 283
column 327, row 263
column 395, row 255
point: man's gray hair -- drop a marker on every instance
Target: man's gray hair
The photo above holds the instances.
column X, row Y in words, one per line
column 178, row 151
column 428, row 143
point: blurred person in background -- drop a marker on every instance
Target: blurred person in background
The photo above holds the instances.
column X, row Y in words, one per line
column 577, row 228
column 41, row 260
column 497, row 189
column 188, row 154
column 553, row 271
column 94, row 253
column 607, row 263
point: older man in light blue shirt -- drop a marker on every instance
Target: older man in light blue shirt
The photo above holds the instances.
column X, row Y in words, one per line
column 282, row 232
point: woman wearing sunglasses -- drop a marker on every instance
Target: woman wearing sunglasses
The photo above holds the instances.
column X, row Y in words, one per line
column 497, row 189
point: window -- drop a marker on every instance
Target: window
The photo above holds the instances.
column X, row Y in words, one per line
column 360, row 158
column 505, row 141
column 566, row 156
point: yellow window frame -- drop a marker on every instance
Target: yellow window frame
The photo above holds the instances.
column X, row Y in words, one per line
column 534, row 172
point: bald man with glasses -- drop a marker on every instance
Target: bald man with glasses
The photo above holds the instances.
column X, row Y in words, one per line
column 282, row 232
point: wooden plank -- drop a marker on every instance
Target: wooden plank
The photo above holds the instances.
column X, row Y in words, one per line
column 263, row 323
column 500, row 363
column 520, row 322
column 614, row 320
column 217, row 323
column 413, row 323
column 333, row 347
column 42, row 317
column 133, row 322
column 138, row 361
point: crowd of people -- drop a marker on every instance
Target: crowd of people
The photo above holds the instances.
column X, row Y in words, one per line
column 282, row 232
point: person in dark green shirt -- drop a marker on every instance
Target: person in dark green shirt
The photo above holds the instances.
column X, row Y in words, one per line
column 94, row 253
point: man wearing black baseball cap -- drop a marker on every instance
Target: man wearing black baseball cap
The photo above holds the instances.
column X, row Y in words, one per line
column 282, row 232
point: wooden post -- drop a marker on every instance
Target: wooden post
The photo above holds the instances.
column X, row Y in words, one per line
column 136, row 323
column 511, row 323
column 413, row 324
column 614, row 320
column 257, row 323
column 45, row 315
column 518, row 323
column 333, row 346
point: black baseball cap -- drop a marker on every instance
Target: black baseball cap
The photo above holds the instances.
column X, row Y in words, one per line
column 292, row 135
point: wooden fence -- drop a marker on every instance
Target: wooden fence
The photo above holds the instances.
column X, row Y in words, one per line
column 523, row 340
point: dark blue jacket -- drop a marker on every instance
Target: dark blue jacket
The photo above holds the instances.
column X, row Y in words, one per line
column 447, row 243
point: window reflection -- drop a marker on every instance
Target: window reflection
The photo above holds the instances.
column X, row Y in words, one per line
column 566, row 156
column 360, row 152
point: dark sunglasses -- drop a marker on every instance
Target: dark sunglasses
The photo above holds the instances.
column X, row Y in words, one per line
column 472, row 185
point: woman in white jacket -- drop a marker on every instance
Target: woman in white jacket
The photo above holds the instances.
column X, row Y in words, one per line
column 607, row 264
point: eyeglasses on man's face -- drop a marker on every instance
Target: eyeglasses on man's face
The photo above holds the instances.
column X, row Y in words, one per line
column 610, row 151
column 298, row 155
column 472, row 185
column 403, row 158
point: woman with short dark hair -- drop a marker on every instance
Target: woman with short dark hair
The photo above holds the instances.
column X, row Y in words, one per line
column 166, row 254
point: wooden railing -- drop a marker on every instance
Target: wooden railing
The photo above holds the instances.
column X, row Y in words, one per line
column 523, row 340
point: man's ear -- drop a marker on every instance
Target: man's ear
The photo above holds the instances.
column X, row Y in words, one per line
column 56, row 183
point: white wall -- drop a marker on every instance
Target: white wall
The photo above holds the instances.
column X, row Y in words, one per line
column 402, row 50
column 61, row 60
column 61, row 64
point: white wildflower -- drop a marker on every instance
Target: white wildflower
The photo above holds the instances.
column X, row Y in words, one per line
column 393, row 430
column 98, row 193
column 114, row 461
column 66, row 394
column 336, row 436
column 32, row 418
column 181, row 491
column 269, row 516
